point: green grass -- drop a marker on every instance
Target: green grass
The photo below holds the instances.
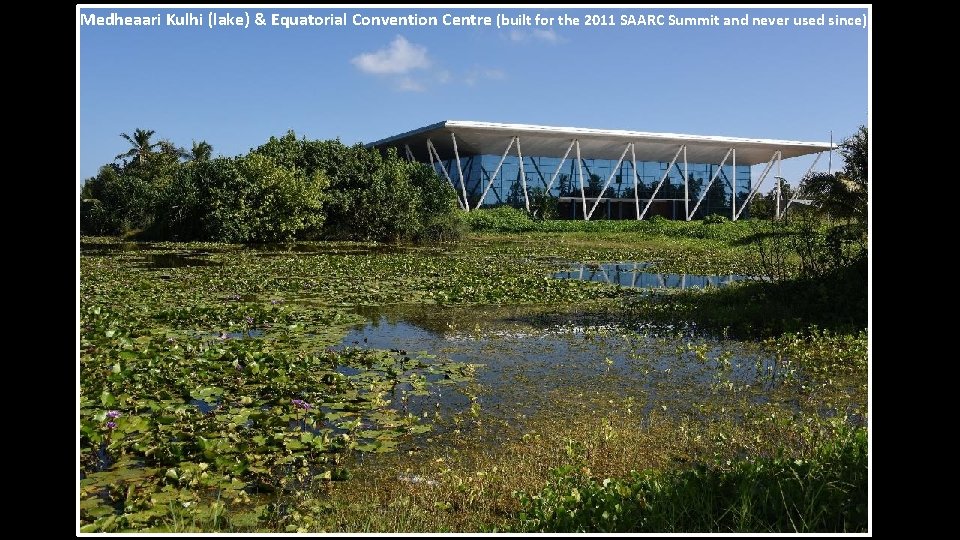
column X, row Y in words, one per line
column 506, row 219
column 824, row 493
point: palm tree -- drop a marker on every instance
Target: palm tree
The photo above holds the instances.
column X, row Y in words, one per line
column 140, row 143
column 201, row 151
column 843, row 194
column 836, row 194
column 169, row 148
column 854, row 151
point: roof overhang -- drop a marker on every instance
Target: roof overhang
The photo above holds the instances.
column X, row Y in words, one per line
column 476, row 138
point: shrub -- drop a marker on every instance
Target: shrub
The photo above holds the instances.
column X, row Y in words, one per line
column 826, row 493
column 446, row 227
column 714, row 219
column 808, row 247
column 500, row 219
column 284, row 190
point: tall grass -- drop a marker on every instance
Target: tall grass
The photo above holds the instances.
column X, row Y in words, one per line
column 825, row 493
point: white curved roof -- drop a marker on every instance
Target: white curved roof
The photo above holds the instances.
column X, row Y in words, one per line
column 475, row 138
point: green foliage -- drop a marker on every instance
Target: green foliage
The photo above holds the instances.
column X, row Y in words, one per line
column 808, row 247
column 192, row 402
column 141, row 147
column 765, row 206
column 542, row 204
column 827, row 493
column 201, row 151
column 759, row 308
column 445, row 227
column 117, row 202
column 505, row 219
column 262, row 202
column 715, row 219
column 855, row 151
column 500, row 219
column 844, row 194
column 371, row 196
column 284, row 190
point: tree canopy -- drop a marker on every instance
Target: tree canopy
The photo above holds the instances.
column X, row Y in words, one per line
column 140, row 144
column 286, row 189
column 843, row 194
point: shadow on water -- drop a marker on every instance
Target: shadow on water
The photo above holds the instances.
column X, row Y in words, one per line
column 327, row 248
column 111, row 248
column 635, row 274
column 265, row 250
column 177, row 260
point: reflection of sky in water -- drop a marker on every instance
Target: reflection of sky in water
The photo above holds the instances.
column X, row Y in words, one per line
column 634, row 274
column 523, row 364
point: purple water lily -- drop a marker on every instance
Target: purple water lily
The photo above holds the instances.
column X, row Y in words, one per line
column 113, row 415
column 301, row 404
column 111, row 424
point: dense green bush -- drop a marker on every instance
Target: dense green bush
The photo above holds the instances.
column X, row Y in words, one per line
column 117, row 202
column 94, row 218
column 808, row 247
column 825, row 493
column 252, row 199
column 715, row 219
column 372, row 196
column 284, row 190
column 501, row 219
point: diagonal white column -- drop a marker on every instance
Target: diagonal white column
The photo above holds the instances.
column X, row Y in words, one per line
column 583, row 197
column 662, row 178
column 636, row 191
column 686, row 186
column 763, row 176
column 523, row 177
column 431, row 148
column 463, row 187
column 495, row 171
column 797, row 194
column 560, row 166
column 607, row 184
column 710, row 183
column 733, row 188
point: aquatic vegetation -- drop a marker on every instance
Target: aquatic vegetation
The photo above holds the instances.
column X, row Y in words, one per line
column 353, row 386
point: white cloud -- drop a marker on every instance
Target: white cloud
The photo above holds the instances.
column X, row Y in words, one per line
column 398, row 62
column 517, row 35
column 399, row 57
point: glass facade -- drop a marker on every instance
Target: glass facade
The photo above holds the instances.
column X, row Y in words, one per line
column 618, row 199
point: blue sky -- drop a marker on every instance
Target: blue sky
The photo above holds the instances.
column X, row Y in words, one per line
column 235, row 87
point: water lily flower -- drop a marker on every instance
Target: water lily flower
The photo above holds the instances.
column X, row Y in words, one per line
column 301, row 404
column 111, row 424
column 113, row 415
